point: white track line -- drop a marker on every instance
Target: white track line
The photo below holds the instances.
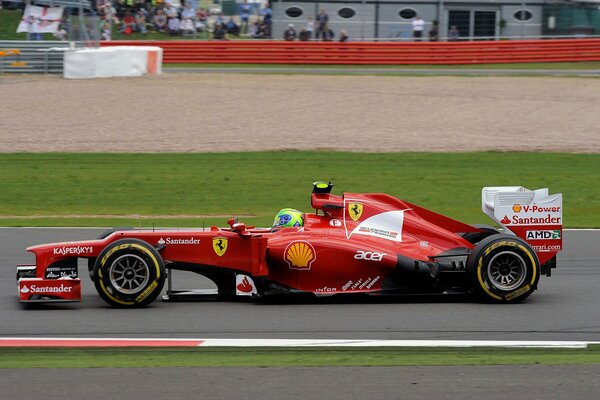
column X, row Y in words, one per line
column 296, row 343
column 389, row 343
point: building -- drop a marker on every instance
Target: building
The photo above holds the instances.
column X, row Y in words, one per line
column 392, row 19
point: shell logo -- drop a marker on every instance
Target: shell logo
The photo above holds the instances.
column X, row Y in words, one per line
column 516, row 208
column 300, row 255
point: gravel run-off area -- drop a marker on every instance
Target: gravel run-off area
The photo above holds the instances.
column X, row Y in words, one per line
column 244, row 112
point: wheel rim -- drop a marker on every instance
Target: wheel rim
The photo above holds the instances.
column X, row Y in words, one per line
column 507, row 270
column 129, row 274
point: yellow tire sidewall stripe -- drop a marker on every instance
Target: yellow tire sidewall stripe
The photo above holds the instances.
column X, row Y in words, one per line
column 487, row 251
column 122, row 247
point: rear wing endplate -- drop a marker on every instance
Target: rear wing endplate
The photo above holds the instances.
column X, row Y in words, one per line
column 533, row 215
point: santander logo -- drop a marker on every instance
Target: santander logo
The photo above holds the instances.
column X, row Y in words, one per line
column 245, row 286
column 505, row 220
column 46, row 289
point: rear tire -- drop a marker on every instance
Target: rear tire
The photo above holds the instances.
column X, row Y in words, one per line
column 129, row 273
column 503, row 269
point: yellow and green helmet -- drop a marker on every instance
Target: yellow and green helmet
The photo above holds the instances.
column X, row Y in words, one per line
column 288, row 217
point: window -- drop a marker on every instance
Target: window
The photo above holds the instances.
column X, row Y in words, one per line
column 294, row 12
column 407, row 13
column 346, row 12
column 523, row 15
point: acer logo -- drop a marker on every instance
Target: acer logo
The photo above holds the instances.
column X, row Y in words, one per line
column 369, row 255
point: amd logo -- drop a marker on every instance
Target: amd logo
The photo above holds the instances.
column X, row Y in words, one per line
column 369, row 255
column 542, row 235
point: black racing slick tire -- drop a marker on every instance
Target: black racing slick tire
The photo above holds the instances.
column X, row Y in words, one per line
column 103, row 235
column 503, row 269
column 129, row 273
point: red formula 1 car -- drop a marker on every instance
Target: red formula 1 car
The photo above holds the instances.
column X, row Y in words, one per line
column 355, row 243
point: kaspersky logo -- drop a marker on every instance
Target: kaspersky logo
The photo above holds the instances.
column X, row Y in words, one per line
column 65, row 250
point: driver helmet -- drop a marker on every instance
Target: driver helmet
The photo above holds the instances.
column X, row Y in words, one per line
column 288, row 217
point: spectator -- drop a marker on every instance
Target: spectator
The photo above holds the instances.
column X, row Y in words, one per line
column 63, row 28
column 201, row 14
column 254, row 29
column 322, row 20
column 219, row 33
column 201, row 20
column 172, row 11
column 219, row 19
column 328, row 34
column 121, row 9
column 344, row 36
column 245, row 10
column 263, row 32
column 290, row 33
column 267, row 14
column 142, row 9
column 418, row 25
column 232, row 28
column 160, row 20
column 61, row 34
column 128, row 24
column 105, row 31
column 174, row 26
column 310, row 27
column 193, row 4
column 433, row 33
column 304, row 36
column 140, row 22
column 187, row 26
column 453, row 34
column 188, row 12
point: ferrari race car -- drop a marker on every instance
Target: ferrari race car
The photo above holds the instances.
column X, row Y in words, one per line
column 356, row 243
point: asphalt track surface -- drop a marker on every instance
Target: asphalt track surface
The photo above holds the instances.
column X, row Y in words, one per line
column 556, row 382
column 564, row 308
column 393, row 71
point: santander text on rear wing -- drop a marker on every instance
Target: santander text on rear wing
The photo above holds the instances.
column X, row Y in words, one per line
column 533, row 215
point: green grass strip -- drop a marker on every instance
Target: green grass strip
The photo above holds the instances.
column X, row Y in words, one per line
column 261, row 183
column 263, row 357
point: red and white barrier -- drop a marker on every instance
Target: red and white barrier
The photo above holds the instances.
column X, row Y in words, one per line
column 121, row 61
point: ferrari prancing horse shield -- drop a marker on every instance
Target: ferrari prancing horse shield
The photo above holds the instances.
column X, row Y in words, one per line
column 355, row 210
column 219, row 245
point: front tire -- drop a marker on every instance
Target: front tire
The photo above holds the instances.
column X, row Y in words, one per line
column 503, row 269
column 129, row 273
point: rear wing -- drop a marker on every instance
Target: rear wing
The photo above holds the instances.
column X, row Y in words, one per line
column 533, row 215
